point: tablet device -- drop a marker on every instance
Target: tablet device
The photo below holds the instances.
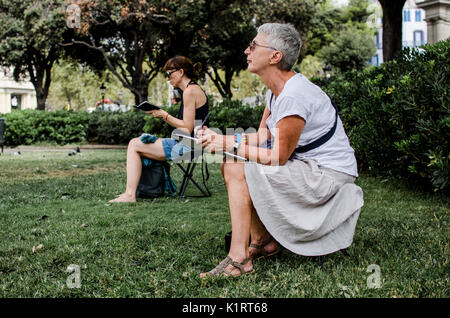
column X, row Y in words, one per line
column 146, row 106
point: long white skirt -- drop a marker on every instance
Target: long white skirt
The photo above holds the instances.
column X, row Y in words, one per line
column 308, row 209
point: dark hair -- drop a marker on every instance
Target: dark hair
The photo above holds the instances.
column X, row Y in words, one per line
column 179, row 62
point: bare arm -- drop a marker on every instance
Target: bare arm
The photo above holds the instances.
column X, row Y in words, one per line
column 255, row 139
column 191, row 97
column 288, row 133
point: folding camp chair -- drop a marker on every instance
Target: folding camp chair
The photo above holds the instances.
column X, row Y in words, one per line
column 188, row 173
column 192, row 158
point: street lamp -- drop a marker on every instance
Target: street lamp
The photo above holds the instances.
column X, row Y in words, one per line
column 102, row 90
column 327, row 71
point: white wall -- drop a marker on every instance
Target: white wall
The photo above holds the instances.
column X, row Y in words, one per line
column 10, row 87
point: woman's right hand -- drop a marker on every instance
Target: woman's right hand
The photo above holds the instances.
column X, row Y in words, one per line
column 212, row 141
column 197, row 129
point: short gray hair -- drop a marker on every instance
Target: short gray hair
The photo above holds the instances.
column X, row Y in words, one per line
column 285, row 38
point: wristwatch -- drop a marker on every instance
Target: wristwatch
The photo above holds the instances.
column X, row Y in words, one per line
column 237, row 142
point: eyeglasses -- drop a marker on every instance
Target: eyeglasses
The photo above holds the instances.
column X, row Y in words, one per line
column 170, row 73
column 253, row 45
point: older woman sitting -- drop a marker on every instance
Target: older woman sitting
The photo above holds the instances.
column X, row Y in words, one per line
column 297, row 188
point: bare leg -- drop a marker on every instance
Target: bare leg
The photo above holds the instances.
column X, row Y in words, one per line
column 240, row 211
column 260, row 235
column 258, row 231
column 137, row 149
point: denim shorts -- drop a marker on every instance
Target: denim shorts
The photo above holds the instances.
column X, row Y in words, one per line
column 174, row 149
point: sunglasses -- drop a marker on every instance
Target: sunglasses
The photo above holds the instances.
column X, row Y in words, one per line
column 170, row 73
column 253, row 45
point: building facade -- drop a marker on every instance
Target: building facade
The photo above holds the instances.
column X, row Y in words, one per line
column 438, row 18
column 15, row 95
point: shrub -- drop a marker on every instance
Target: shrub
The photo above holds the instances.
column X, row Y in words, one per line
column 114, row 127
column 62, row 127
column 30, row 126
column 397, row 114
column 232, row 114
column 225, row 114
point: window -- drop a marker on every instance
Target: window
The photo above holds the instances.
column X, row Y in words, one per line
column 407, row 16
column 418, row 15
column 16, row 101
column 418, row 38
column 377, row 40
column 374, row 60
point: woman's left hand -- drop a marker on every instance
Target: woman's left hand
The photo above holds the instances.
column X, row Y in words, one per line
column 159, row 113
column 213, row 142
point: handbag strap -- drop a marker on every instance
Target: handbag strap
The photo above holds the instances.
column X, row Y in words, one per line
column 318, row 142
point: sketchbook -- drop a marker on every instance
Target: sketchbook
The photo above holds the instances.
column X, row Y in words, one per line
column 226, row 153
column 146, row 106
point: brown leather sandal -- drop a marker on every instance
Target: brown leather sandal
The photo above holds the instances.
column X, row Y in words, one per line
column 262, row 253
column 221, row 269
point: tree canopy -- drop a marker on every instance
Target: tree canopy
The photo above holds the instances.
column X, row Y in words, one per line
column 29, row 37
column 350, row 42
column 133, row 38
column 136, row 37
column 350, row 49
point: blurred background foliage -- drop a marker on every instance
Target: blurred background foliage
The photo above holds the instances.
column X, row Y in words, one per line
column 124, row 44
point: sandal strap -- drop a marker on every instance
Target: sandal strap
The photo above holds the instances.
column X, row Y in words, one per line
column 221, row 267
column 262, row 245
column 240, row 265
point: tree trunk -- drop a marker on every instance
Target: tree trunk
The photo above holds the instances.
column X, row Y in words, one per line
column 140, row 83
column 41, row 101
column 228, row 77
column 41, row 95
column 40, row 77
column 392, row 28
column 224, row 87
column 141, row 95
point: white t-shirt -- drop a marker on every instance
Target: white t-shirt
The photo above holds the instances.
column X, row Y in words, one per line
column 305, row 99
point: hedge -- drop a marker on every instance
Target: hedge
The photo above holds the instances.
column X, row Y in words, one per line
column 28, row 127
column 63, row 127
column 397, row 115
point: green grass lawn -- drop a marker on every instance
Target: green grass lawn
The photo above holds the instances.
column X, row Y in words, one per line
column 54, row 212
